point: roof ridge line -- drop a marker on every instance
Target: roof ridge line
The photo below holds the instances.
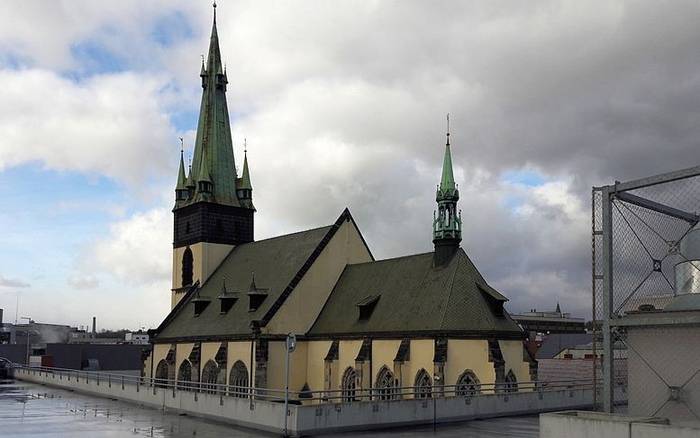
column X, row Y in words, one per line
column 392, row 258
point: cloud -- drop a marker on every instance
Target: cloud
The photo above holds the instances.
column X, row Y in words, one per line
column 343, row 105
column 83, row 281
column 6, row 282
column 137, row 250
column 110, row 125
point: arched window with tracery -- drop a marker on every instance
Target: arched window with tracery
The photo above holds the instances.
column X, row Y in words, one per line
column 423, row 385
column 238, row 380
column 187, row 267
column 467, row 384
column 385, row 386
column 349, row 384
column 511, row 382
column 210, row 376
column 162, row 373
column 184, row 376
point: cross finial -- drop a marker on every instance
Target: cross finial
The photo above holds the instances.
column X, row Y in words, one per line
column 245, row 145
column 182, row 145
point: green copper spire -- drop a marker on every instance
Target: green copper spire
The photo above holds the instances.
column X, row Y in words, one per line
column 447, row 182
column 245, row 179
column 181, row 178
column 245, row 188
column 213, row 165
column 447, row 224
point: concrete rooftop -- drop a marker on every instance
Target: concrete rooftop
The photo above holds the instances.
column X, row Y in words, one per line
column 29, row 410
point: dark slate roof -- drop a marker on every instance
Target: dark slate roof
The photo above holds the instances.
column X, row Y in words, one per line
column 277, row 264
column 554, row 343
column 415, row 297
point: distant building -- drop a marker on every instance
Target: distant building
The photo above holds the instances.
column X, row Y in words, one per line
column 553, row 321
column 137, row 338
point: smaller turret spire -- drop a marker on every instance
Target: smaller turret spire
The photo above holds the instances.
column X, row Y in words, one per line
column 245, row 188
column 447, row 225
column 181, row 186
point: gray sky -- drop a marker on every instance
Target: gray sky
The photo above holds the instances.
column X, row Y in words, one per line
column 343, row 104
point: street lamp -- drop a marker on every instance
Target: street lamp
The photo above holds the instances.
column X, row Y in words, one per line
column 290, row 345
column 28, row 333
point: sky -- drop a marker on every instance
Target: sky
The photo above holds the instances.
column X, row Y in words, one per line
column 342, row 104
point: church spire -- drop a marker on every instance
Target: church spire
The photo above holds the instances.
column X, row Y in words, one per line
column 213, row 165
column 447, row 224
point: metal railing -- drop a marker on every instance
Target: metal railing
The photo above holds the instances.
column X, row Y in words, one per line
column 347, row 395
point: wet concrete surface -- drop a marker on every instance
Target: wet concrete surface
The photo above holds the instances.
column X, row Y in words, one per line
column 30, row 410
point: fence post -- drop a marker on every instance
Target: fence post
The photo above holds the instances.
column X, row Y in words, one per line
column 608, row 359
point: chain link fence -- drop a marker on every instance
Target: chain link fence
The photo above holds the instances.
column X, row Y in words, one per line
column 645, row 253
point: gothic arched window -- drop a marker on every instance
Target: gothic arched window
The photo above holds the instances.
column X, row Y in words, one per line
column 423, row 385
column 162, row 373
column 511, row 383
column 187, row 267
column 349, row 384
column 238, row 380
column 210, row 376
column 184, row 376
column 385, row 386
column 467, row 384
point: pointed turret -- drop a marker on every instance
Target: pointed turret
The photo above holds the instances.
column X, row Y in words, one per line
column 181, row 187
column 245, row 188
column 447, row 224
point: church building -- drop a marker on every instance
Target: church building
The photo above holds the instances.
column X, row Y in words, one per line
column 426, row 320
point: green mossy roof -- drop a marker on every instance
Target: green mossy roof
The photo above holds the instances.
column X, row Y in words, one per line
column 275, row 263
column 415, row 297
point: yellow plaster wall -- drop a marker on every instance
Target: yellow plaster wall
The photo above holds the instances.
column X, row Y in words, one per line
column 183, row 352
column 297, row 366
column 315, row 364
column 238, row 351
column 513, row 355
column 347, row 352
column 160, row 351
column 209, row 350
column 422, row 353
column 472, row 354
column 206, row 258
column 383, row 354
column 304, row 304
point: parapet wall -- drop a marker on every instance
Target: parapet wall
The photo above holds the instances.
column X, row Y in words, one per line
column 315, row 418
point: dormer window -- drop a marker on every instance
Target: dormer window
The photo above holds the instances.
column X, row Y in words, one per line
column 366, row 306
column 200, row 304
column 205, row 186
column 256, row 296
column 227, row 300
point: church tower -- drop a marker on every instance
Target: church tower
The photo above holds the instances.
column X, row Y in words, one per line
column 213, row 207
column 447, row 225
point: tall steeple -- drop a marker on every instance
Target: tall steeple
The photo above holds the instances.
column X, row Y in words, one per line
column 447, row 224
column 213, row 208
column 213, row 163
column 208, row 203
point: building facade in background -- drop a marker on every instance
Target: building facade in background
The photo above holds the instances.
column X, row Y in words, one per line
column 425, row 320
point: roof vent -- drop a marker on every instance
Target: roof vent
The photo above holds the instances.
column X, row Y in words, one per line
column 367, row 305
